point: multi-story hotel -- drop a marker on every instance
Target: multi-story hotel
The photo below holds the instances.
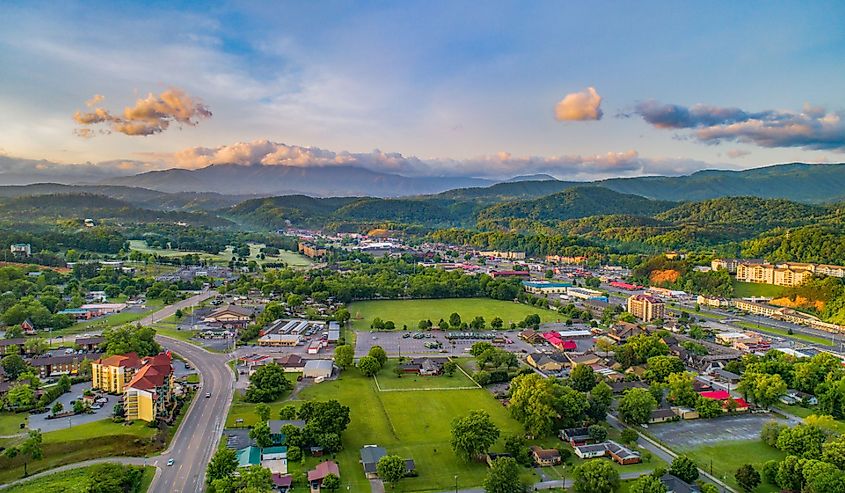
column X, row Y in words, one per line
column 781, row 275
column 646, row 307
column 150, row 391
column 113, row 373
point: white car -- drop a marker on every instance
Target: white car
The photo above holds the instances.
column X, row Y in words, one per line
column 170, row 461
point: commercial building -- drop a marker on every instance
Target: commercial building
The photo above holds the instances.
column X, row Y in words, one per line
column 646, row 308
column 230, row 317
column 503, row 255
column 318, row 368
column 21, row 249
column 112, row 374
column 560, row 259
column 279, row 340
column 311, row 250
column 781, row 275
column 731, row 264
column 545, row 287
column 587, row 294
column 786, row 314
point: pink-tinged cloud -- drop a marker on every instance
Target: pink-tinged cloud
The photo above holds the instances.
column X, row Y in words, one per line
column 149, row 116
column 579, row 106
column 812, row 128
column 736, row 153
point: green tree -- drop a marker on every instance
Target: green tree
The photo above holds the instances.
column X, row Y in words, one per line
column 534, row 402
column 708, row 408
column 449, row 368
column 473, row 435
column 647, row 484
column 598, row 433
column 263, row 412
column 802, row 440
column 455, row 320
column 684, row 468
column 516, row 446
column 261, row 434
column 636, row 406
column 13, row 365
column 582, row 378
column 789, row 475
column 287, row 412
column 503, row 477
column 223, row 464
column 497, row 323
column 391, row 469
column 379, row 354
column 369, row 366
column 747, row 477
column 596, row 476
column 658, row 368
column 267, row 384
column 331, row 482
column 57, row 408
column 344, row 355
column 770, row 432
column 30, row 450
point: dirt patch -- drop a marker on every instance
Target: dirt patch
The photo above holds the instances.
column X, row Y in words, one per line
column 664, row 276
column 799, row 302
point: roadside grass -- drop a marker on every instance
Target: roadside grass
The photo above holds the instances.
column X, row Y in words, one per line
column 800, row 411
column 387, row 380
column 72, row 481
column 10, row 423
column 726, row 457
column 700, row 314
column 781, row 332
column 79, row 443
column 242, row 409
column 115, row 320
column 753, row 290
column 410, row 312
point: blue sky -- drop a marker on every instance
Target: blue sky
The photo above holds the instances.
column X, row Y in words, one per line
column 465, row 87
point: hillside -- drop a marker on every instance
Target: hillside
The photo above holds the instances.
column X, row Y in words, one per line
column 753, row 212
column 574, row 203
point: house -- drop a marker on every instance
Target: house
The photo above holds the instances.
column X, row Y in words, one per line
column 113, row 373
column 282, row 482
column 615, row 451
column 621, row 387
column 576, row 436
column 370, row 454
column 319, row 473
column 550, row 363
column 725, row 398
column 726, row 376
column 588, row 359
column 675, row 484
column 318, row 368
column 149, row 393
column 230, row 317
column 797, row 397
column 662, row 415
column 5, row 344
column 544, row 456
column 275, row 459
column 249, row 456
column 24, row 249
column 621, row 331
column 291, row 363
column 424, row 366
column 28, row 327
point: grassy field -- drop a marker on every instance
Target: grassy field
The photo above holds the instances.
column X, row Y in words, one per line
column 291, row 258
column 726, row 457
column 72, row 481
column 98, row 439
column 753, row 289
column 781, row 332
column 410, row 312
column 387, row 380
column 246, row 410
column 10, row 423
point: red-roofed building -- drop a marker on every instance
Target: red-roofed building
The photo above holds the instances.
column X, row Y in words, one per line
column 555, row 340
column 150, row 391
column 111, row 374
column 521, row 274
column 725, row 398
column 319, row 473
column 626, row 286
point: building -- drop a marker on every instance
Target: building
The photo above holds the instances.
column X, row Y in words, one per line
column 24, row 249
column 646, row 308
column 586, row 294
column 725, row 398
column 113, row 373
column 712, row 302
column 370, row 454
column 279, row 340
column 503, row 255
column 576, row 436
column 59, row 364
column 318, row 368
column 549, row 363
column 621, row 331
column 558, row 259
column 291, row 363
column 519, row 274
column 618, row 453
column 5, row 344
column 276, row 426
column 674, row 484
column 786, row 314
column 319, row 473
column 424, row 366
column 555, row 339
column 149, row 393
column 789, row 274
column 311, row 250
column 230, row 317
column 731, row 264
column 545, row 287
column 249, row 456
column 333, row 334
column 545, row 456
column 89, row 343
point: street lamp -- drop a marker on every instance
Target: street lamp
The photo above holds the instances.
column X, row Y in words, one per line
column 456, row 483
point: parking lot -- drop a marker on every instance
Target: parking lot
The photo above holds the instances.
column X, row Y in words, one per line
column 40, row 421
column 695, row 433
column 403, row 343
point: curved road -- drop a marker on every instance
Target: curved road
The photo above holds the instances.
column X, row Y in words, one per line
column 198, row 435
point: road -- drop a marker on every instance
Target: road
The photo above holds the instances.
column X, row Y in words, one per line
column 198, row 435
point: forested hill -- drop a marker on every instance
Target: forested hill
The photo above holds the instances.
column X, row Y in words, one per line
column 574, row 203
column 755, row 212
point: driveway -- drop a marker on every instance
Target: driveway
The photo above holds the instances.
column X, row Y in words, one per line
column 40, row 421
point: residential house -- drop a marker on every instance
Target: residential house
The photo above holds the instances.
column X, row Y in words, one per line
column 28, row 327
column 621, row 331
column 276, row 426
column 111, row 374
column 794, row 396
column 621, row 387
column 149, row 394
column 318, row 368
column 725, row 398
column 618, row 453
column 547, row 362
column 319, row 473
column 282, row 482
column 424, row 366
column 662, row 415
column 249, row 456
column 576, row 436
column 675, row 484
column 370, row 454
column 544, row 456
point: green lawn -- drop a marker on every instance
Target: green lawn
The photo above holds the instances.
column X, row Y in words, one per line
column 410, row 312
column 89, row 441
column 785, row 333
column 246, row 410
column 726, row 457
column 115, row 320
column 753, row 289
column 293, row 259
column 72, row 481
column 10, row 423
column 800, row 411
column 387, row 379
column 699, row 314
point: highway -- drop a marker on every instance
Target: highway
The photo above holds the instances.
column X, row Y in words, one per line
column 198, row 435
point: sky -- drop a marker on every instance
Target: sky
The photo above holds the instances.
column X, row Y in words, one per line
column 578, row 90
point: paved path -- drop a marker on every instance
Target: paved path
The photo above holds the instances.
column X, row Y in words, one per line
column 198, row 435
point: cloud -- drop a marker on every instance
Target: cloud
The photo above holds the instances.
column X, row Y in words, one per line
column 579, row 106
column 498, row 165
column 735, row 153
column 149, row 116
column 813, row 128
